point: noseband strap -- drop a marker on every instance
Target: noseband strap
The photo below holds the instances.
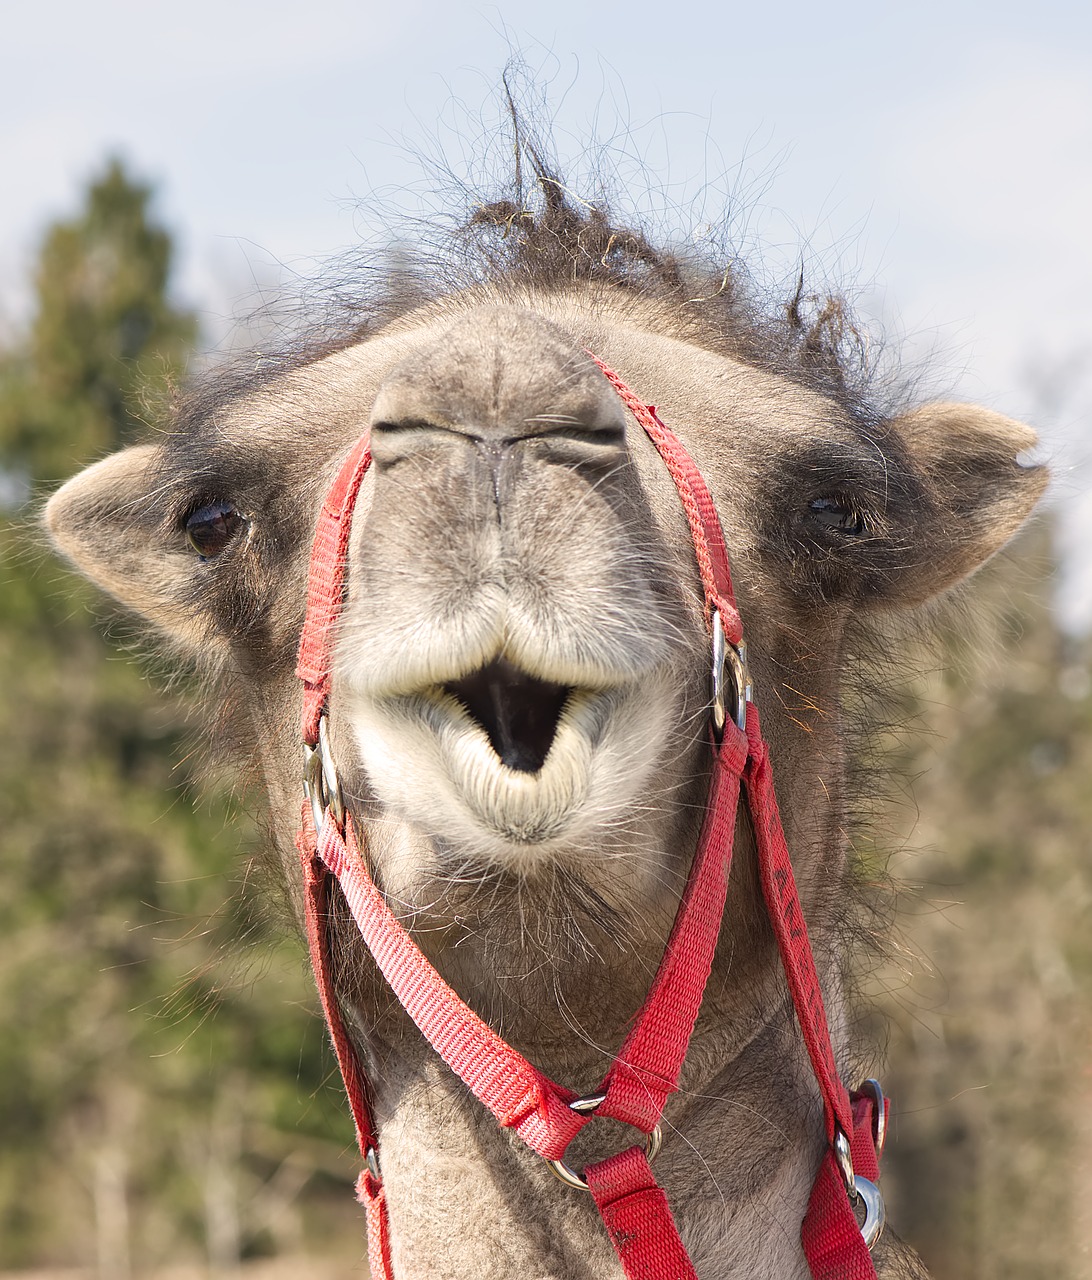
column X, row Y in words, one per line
column 646, row 1069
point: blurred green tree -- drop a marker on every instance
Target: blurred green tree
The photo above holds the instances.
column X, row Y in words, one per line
column 106, row 343
column 989, row 992
column 140, row 1121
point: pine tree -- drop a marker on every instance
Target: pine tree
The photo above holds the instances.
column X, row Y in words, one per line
column 106, row 342
column 137, row 1121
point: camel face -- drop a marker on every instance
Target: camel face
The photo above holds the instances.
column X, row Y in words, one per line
column 528, row 690
column 522, row 665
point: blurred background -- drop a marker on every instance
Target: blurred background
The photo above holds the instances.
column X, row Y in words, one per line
column 167, row 1101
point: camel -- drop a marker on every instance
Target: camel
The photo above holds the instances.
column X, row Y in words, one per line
column 517, row 714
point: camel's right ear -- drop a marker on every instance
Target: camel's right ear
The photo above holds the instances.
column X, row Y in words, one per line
column 980, row 491
column 105, row 522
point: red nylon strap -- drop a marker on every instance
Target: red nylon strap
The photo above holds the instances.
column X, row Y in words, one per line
column 369, row 1189
column 830, row 1234
column 315, row 882
column 787, row 918
column 647, row 1067
column 370, row 1193
column 326, row 585
column 701, row 511
column 866, row 1159
column 638, row 1218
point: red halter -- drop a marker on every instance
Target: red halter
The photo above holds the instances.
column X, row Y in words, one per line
column 646, row 1068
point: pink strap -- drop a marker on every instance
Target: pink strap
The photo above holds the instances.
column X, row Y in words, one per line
column 516, row 1092
column 326, row 585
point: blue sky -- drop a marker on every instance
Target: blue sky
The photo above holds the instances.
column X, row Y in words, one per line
column 937, row 158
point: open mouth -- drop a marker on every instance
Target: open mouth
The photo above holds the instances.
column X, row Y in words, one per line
column 518, row 712
column 511, row 767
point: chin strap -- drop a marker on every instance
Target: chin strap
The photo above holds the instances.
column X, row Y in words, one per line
column 646, row 1070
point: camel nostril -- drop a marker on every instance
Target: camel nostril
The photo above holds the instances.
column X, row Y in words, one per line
column 519, row 712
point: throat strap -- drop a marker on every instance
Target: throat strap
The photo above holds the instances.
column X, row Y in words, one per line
column 647, row 1068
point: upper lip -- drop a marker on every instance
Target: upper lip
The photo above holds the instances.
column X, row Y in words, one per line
column 518, row 711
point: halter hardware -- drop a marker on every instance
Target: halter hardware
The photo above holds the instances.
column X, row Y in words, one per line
column 729, row 668
column 320, row 781
column 874, row 1090
column 863, row 1192
column 588, row 1106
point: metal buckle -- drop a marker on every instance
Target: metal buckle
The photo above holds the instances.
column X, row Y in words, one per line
column 729, row 658
column 862, row 1192
column 320, row 780
column 588, row 1106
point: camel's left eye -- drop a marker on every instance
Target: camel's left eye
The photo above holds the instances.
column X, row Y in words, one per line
column 211, row 528
column 837, row 514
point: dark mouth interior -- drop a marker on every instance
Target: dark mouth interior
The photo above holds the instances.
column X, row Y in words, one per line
column 517, row 711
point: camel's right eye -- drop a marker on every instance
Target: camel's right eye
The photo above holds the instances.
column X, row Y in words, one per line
column 210, row 529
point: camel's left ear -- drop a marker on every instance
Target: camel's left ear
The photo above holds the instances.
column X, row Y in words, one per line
column 104, row 521
column 979, row 492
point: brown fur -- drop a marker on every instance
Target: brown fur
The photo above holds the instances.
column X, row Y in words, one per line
column 514, row 509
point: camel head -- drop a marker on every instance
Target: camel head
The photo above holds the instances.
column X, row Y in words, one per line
column 520, row 696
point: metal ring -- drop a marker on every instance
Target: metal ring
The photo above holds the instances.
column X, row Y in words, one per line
column 329, row 774
column 312, row 785
column 320, row 780
column 875, row 1218
column 843, row 1158
column 873, row 1089
column 729, row 657
column 861, row 1191
column 588, row 1105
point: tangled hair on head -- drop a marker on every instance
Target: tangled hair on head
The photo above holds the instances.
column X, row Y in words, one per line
column 813, row 339
column 532, row 232
column 541, row 233
column 561, row 241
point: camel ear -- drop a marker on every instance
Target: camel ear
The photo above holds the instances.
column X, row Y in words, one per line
column 105, row 522
column 980, row 492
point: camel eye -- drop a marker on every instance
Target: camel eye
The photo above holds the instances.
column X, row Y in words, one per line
column 837, row 514
column 210, row 529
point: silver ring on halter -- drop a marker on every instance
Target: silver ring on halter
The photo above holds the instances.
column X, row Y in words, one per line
column 320, row 780
column 874, row 1090
column 729, row 660
column 862, row 1192
column 588, row 1106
